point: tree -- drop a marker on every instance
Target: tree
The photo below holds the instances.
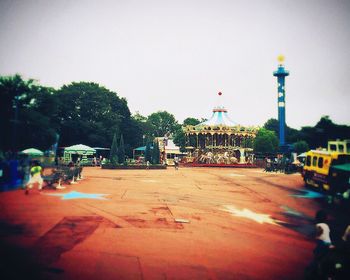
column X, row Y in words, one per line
column 162, row 123
column 180, row 139
column 273, row 125
column 266, row 141
column 191, row 121
column 121, row 150
column 28, row 112
column 155, row 153
column 142, row 130
column 300, row 147
column 90, row 113
column 148, row 154
column 291, row 134
column 113, row 154
column 323, row 131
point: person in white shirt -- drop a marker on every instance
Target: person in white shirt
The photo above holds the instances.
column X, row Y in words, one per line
column 323, row 239
column 322, row 233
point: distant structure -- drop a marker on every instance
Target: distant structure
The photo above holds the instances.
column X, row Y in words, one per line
column 219, row 140
column 168, row 150
column 281, row 73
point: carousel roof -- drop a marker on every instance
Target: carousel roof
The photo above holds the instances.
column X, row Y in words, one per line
column 219, row 117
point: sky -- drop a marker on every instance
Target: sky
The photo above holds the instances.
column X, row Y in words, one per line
column 177, row 55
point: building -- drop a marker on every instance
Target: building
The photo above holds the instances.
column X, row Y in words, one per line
column 168, row 150
column 219, row 140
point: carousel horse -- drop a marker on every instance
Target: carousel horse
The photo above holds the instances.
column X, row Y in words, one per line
column 233, row 160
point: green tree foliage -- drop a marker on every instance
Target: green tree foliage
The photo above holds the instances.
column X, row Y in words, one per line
column 180, row 139
column 300, row 147
column 113, row 154
column 28, row 111
column 142, row 131
column 273, row 125
column 179, row 135
column 291, row 134
column 155, row 153
column 191, row 121
column 325, row 130
column 162, row 123
column 90, row 113
column 266, row 141
column 316, row 136
column 148, row 153
column 121, row 150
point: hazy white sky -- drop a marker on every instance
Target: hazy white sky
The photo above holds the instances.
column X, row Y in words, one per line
column 176, row 55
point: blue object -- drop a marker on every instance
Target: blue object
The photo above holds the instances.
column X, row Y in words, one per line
column 79, row 195
column 281, row 73
column 11, row 175
column 308, row 194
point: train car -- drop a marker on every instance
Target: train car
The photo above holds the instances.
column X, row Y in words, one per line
column 340, row 179
column 320, row 168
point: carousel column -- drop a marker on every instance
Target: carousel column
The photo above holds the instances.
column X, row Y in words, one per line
column 242, row 158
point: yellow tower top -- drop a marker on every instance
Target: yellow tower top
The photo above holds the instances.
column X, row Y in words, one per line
column 280, row 58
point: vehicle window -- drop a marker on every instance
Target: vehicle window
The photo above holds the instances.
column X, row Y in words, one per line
column 320, row 162
column 347, row 147
column 308, row 160
column 342, row 159
column 333, row 147
column 341, row 148
column 314, row 161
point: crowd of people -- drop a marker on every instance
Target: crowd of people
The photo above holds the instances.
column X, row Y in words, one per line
column 35, row 175
column 281, row 164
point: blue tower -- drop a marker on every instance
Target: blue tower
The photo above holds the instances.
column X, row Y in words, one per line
column 281, row 73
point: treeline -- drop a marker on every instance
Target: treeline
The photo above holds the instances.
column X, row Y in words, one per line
column 32, row 115
column 311, row 137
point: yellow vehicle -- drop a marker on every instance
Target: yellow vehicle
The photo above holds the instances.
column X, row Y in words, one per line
column 317, row 170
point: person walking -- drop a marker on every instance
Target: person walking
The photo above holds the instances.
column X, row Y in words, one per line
column 323, row 240
column 176, row 162
column 35, row 177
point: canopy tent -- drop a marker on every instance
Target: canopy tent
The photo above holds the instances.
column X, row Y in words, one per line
column 80, row 149
column 101, row 149
column 139, row 151
column 32, row 152
column 143, row 148
column 73, row 153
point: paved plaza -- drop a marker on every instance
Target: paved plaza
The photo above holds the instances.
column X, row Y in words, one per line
column 194, row 223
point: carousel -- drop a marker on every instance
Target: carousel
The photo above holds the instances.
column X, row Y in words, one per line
column 219, row 141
